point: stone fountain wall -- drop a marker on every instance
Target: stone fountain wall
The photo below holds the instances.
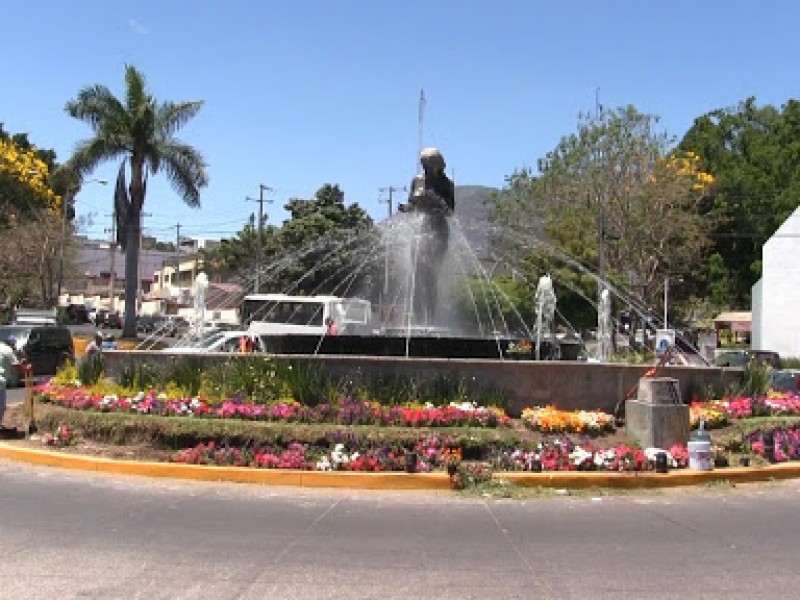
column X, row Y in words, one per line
column 564, row 384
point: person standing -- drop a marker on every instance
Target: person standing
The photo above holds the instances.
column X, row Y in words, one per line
column 331, row 328
column 96, row 345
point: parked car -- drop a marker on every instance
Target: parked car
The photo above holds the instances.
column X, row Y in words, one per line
column 97, row 316
column 741, row 358
column 111, row 320
column 149, row 323
column 45, row 347
column 221, row 341
column 174, row 325
column 9, row 363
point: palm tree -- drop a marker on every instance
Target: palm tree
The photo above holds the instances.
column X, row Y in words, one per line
column 140, row 131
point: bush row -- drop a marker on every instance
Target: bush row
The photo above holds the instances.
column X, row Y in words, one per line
column 175, row 433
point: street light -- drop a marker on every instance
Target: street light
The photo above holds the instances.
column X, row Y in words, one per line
column 666, row 297
column 68, row 199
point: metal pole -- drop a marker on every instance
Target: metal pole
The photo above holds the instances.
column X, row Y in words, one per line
column 260, row 233
column 67, row 199
column 177, row 276
column 112, row 251
column 261, row 189
column 601, row 250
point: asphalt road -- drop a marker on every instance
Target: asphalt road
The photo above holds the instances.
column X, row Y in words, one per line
column 74, row 535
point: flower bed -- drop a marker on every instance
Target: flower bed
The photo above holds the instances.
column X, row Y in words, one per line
column 552, row 420
column 717, row 413
column 777, row 444
column 345, row 411
column 560, row 454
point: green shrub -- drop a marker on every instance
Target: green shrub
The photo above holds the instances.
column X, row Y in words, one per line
column 175, row 433
column 91, row 368
column 793, row 362
column 140, row 375
column 756, row 380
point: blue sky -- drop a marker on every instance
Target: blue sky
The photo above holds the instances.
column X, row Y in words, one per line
column 302, row 93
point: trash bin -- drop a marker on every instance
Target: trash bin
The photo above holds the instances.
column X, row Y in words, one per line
column 699, row 447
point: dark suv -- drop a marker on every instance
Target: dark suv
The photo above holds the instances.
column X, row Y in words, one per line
column 111, row 320
column 45, row 347
column 741, row 358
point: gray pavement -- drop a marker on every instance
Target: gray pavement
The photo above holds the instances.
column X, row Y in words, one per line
column 76, row 535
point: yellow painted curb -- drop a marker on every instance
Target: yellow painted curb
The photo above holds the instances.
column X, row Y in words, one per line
column 393, row 480
column 650, row 479
column 372, row 481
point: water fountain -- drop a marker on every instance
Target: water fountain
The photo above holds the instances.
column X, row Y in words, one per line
column 200, row 290
column 442, row 316
column 605, row 329
column 545, row 300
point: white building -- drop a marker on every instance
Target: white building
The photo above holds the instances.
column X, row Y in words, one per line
column 776, row 296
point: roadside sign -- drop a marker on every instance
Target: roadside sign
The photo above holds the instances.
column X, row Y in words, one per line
column 665, row 339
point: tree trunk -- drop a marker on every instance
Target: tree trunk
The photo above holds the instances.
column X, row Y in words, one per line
column 131, row 272
column 137, row 192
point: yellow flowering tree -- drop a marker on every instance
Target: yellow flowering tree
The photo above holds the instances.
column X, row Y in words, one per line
column 24, row 180
column 30, row 223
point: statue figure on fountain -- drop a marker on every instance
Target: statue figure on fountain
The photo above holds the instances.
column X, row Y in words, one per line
column 604, row 326
column 545, row 305
column 432, row 195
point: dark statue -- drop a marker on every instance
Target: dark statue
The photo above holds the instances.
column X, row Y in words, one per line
column 433, row 196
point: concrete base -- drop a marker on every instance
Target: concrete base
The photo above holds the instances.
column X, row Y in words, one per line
column 520, row 383
column 657, row 425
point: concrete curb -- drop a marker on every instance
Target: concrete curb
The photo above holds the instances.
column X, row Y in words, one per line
column 393, row 481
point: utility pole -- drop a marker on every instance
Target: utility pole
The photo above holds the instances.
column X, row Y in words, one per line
column 68, row 199
column 178, row 256
column 390, row 201
column 139, row 295
column 261, row 189
column 420, row 124
column 67, row 204
column 112, row 246
column 391, row 189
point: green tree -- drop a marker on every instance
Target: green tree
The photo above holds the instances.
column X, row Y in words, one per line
column 754, row 154
column 332, row 245
column 324, row 247
column 141, row 131
column 234, row 259
column 611, row 201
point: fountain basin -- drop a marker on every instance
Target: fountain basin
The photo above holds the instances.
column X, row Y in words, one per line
column 521, row 383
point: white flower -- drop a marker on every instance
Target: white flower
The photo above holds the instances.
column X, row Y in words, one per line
column 323, row 464
column 601, row 459
column 579, row 456
column 651, row 453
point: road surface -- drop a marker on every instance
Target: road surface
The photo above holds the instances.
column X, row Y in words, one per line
column 76, row 535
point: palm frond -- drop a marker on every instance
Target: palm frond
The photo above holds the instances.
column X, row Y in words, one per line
column 98, row 107
column 135, row 90
column 90, row 153
column 185, row 169
column 171, row 116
